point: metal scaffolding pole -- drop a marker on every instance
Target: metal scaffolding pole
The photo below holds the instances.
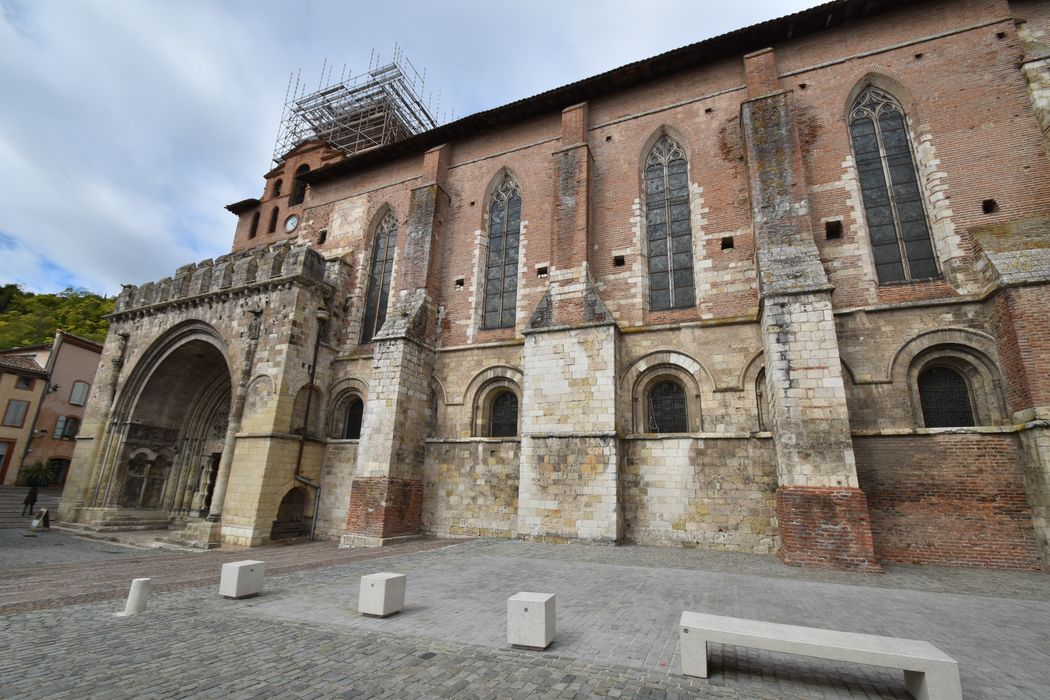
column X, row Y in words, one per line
column 375, row 108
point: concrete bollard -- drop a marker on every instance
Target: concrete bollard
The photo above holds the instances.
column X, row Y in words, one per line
column 242, row 579
column 381, row 594
column 530, row 620
column 137, row 597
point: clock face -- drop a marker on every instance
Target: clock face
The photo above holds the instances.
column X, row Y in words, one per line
column 290, row 223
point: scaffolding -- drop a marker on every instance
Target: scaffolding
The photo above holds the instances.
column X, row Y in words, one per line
column 355, row 114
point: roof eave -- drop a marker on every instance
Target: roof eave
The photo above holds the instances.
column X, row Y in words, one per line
column 734, row 43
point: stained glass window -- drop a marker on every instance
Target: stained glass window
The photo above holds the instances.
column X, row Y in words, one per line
column 501, row 268
column 504, row 419
column 379, row 278
column 893, row 201
column 667, row 411
column 670, row 237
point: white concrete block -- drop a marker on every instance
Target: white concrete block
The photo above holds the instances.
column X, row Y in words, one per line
column 382, row 594
column 530, row 619
column 138, row 596
column 241, row 579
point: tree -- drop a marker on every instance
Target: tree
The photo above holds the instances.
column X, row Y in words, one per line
column 32, row 319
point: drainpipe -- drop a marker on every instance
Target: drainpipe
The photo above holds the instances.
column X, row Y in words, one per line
column 322, row 318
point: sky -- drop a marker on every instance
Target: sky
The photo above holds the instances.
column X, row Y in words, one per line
column 126, row 126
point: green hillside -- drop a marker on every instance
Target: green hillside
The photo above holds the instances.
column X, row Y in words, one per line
column 32, row 319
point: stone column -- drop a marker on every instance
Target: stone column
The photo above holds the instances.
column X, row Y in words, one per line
column 386, row 495
column 822, row 515
column 240, row 393
column 569, row 448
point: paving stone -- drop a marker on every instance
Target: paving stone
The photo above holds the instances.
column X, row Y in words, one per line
column 618, row 610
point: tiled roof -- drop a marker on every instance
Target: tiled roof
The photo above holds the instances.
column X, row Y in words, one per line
column 19, row 364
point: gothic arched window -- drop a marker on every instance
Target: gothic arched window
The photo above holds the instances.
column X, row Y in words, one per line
column 670, row 239
column 273, row 220
column 298, row 186
column 893, row 201
column 379, row 278
column 501, row 269
column 503, row 420
column 254, row 227
column 945, row 398
column 667, row 408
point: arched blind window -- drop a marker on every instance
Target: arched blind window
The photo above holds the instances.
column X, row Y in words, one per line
column 667, row 412
column 667, row 222
column 379, row 277
column 298, row 186
column 945, row 399
column 501, row 270
column 352, row 424
column 893, row 206
column 504, row 421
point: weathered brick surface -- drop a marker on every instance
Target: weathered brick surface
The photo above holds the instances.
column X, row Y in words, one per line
column 382, row 507
column 950, row 500
column 825, row 527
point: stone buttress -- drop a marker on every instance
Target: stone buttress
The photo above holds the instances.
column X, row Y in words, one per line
column 569, row 449
column 386, row 495
column 822, row 515
column 1015, row 261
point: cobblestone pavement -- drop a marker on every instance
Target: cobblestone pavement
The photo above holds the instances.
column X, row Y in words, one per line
column 67, row 579
column 617, row 609
column 21, row 549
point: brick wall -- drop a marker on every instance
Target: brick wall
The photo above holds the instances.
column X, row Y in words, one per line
column 948, row 499
column 382, row 507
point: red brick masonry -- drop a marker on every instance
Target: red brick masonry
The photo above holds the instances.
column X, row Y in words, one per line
column 951, row 500
column 825, row 527
column 384, row 507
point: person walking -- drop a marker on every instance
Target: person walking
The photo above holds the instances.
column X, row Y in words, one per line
column 30, row 501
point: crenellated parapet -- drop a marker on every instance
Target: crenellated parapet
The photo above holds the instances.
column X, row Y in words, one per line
column 245, row 272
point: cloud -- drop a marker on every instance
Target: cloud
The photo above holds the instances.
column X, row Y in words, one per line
column 129, row 124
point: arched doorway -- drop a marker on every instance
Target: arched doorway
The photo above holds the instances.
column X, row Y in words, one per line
column 291, row 516
column 175, row 428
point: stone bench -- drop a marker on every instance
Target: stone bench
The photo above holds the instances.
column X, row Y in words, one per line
column 929, row 673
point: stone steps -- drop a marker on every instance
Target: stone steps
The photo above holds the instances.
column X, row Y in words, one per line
column 11, row 504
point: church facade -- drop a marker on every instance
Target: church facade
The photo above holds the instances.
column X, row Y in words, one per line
column 785, row 291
